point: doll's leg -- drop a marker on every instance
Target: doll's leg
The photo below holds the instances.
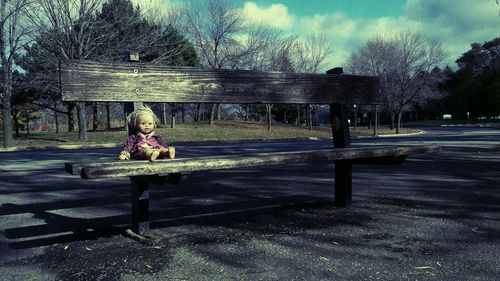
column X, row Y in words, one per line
column 147, row 153
column 167, row 152
column 142, row 154
column 153, row 153
column 171, row 152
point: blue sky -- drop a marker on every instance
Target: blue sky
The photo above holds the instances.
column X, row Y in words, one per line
column 353, row 8
column 349, row 23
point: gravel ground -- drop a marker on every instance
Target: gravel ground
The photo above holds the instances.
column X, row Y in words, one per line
column 435, row 217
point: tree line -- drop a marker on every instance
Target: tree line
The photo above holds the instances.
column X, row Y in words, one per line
column 37, row 34
column 213, row 34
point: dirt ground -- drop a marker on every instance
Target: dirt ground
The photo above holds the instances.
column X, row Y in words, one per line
column 435, row 217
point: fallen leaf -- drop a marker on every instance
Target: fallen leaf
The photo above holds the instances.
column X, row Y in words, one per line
column 325, row 259
column 474, row 229
column 87, row 248
column 438, row 263
column 336, row 243
column 423, row 267
column 148, row 266
column 66, row 247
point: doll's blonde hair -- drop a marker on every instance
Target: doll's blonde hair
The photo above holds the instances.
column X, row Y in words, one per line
column 142, row 111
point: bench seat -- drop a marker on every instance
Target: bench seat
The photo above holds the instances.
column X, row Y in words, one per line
column 118, row 168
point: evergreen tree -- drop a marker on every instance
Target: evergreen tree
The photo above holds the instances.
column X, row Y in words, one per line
column 475, row 87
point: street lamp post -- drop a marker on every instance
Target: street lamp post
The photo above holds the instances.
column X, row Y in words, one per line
column 355, row 118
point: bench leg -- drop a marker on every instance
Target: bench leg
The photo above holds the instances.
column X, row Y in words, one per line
column 343, row 168
column 343, row 183
column 140, row 205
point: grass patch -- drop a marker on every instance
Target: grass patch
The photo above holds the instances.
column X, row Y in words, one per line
column 201, row 132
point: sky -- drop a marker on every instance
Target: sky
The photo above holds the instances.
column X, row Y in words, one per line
column 349, row 23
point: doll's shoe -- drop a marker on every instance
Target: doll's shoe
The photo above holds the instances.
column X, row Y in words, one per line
column 154, row 155
column 171, row 152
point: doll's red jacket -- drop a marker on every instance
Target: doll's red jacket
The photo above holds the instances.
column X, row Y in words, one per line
column 133, row 142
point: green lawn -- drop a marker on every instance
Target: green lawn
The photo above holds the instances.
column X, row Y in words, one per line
column 220, row 131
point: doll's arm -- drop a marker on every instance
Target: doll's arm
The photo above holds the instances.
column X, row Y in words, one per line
column 127, row 148
column 124, row 155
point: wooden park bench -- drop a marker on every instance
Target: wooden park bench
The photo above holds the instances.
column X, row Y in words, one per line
column 84, row 81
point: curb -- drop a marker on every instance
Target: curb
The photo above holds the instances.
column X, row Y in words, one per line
column 420, row 132
column 63, row 147
column 479, row 125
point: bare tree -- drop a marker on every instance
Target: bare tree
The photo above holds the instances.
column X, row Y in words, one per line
column 402, row 64
column 310, row 58
column 13, row 35
column 69, row 30
column 416, row 56
column 212, row 26
column 376, row 58
column 311, row 53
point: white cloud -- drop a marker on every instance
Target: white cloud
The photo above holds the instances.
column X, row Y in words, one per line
column 275, row 15
column 456, row 24
column 154, row 8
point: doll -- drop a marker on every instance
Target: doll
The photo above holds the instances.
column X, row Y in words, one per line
column 144, row 143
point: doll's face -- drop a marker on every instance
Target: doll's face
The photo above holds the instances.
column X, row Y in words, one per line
column 145, row 124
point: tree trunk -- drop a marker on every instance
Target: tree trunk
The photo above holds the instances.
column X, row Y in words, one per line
column 82, row 121
column 218, row 112
column 400, row 116
column 56, row 118
column 370, row 120
column 212, row 113
column 28, row 124
column 375, row 121
column 197, row 117
column 269, row 108
column 108, row 116
column 164, row 113
column 15, row 119
column 8, row 140
column 310, row 119
column 298, row 115
column 94, row 117
column 285, row 118
column 393, row 119
column 71, row 120
column 172, row 118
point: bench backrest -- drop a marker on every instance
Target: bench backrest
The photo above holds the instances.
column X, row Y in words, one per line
column 142, row 82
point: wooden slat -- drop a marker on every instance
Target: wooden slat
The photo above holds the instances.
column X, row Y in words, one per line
column 134, row 82
column 136, row 168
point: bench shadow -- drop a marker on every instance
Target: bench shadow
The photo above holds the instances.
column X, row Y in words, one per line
column 64, row 229
column 66, row 220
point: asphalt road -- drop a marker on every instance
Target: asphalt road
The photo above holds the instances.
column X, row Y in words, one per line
column 435, row 217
